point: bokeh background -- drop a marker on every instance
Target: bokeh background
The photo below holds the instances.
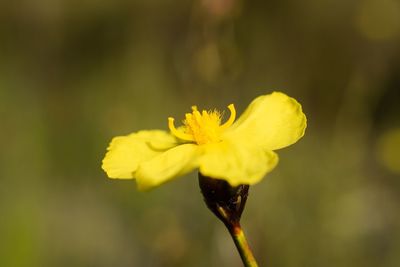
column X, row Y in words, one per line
column 73, row 74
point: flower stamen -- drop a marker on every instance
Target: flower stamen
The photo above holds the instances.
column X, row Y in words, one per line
column 202, row 127
column 231, row 119
column 178, row 133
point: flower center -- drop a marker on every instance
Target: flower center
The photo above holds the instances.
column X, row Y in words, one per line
column 202, row 128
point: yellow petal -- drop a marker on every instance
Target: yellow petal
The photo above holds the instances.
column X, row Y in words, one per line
column 172, row 163
column 236, row 163
column 272, row 121
column 125, row 153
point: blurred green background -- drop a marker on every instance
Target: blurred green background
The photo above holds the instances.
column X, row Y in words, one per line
column 73, row 74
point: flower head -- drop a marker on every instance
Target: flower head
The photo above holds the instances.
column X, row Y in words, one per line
column 238, row 152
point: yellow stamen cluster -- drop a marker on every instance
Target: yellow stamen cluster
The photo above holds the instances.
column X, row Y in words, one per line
column 202, row 128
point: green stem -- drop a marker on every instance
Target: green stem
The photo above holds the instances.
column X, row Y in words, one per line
column 242, row 245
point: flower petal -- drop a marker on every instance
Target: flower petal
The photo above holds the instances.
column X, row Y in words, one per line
column 272, row 121
column 125, row 153
column 174, row 162
column 237, row 163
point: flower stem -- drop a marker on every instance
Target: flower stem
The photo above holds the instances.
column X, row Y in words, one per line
column 227, row 203
column 242, row 245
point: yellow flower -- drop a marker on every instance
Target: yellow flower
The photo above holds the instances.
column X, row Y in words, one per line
column 239, row 152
